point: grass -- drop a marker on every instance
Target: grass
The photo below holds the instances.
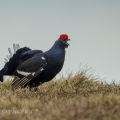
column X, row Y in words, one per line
column 75, row 97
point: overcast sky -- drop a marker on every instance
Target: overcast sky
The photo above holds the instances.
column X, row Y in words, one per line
column 92, row 25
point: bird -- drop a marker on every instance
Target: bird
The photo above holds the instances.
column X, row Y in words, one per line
column 40, row 67
column 14, row 59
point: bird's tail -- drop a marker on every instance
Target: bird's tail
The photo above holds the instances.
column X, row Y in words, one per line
column 1, row 75
column 12, row 60
column 15, row 48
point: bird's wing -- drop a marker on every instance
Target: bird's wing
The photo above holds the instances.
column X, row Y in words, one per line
column 29, row 69
column 30, row 53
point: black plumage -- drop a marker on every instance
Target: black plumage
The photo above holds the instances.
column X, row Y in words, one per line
column 20, row 55
column 41, row 67
column 28, row 71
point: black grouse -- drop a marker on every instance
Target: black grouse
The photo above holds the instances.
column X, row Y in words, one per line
column 38, row 67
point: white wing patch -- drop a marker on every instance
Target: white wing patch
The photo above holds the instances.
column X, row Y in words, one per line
column 42, row 69
column 43, row 58
column 25, row 73
column 33, row 73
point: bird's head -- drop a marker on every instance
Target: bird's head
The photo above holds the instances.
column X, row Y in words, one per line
column 63, row 39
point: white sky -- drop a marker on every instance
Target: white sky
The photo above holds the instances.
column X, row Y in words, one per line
column 92, row 25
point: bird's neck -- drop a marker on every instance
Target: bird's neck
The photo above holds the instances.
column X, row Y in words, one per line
column 56, row 51
column 55, row 57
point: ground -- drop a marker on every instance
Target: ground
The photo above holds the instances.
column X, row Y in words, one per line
column 75, row 97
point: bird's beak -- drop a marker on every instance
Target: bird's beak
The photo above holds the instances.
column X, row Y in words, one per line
column 67, row 42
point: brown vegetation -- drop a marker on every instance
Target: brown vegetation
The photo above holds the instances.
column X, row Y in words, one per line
column 78, row 97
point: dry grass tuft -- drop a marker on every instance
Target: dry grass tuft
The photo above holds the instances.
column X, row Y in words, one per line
column 79, row 96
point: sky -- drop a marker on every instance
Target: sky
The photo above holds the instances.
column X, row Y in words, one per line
column 92, row 25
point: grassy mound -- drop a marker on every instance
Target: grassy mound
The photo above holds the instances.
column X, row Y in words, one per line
column 79, row 96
